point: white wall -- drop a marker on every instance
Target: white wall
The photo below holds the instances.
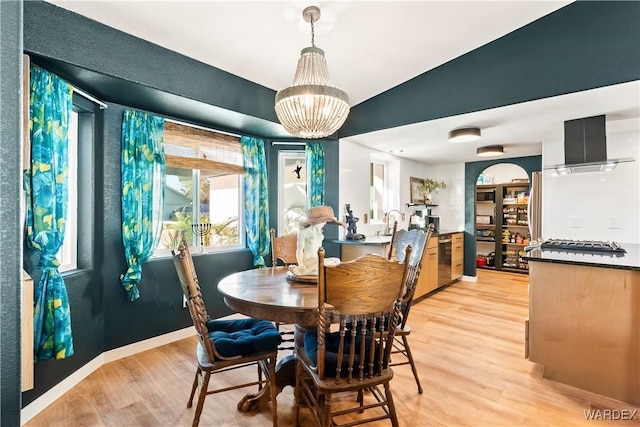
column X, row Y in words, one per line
column 354, row 187
column 451, row 200
column 593, row 205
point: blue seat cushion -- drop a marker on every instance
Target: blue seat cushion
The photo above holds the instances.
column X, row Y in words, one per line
column 332, row 341
column 243, row 337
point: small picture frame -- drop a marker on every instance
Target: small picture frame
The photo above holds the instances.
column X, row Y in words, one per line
column 416, row 194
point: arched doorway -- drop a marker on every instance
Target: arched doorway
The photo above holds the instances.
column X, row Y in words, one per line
column 501, row 220
column 472, row 171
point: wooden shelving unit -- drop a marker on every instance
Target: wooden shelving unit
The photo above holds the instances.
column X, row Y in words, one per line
column 501, row 225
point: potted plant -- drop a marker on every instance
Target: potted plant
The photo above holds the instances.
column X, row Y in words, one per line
column 430, row 186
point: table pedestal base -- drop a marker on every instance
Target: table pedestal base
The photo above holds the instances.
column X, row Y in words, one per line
column 285, row 375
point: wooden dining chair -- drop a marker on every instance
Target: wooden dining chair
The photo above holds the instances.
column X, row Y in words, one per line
column 393, row 236
column 283, row 248
column 224, row 345
column 283, row 252
column 361, row 299
column 418, row 240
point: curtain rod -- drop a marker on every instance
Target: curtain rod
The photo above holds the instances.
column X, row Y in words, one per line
column 84, row 94
column 178, row 122
column 288, row 143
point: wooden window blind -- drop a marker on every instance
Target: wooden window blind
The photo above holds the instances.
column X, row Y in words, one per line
column 213, row 153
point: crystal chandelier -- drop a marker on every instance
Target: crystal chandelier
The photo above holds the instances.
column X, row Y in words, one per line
column 311, row 107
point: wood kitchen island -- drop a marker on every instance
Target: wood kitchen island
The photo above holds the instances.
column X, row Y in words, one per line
column 584, row 320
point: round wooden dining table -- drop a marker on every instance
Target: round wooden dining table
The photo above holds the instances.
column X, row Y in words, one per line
column 266, row 293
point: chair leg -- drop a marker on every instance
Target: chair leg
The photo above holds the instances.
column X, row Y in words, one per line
column 392, row 406
column 203, row 393
column 297, row 394
column 413, row 364
column 326, row 413
column 193, row 388
column 360, row 400
column 274, row 394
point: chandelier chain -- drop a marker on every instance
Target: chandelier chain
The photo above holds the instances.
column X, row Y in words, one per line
column 313, row 33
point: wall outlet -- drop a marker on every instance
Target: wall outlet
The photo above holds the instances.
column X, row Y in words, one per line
column 613, row 221
column 184, row 301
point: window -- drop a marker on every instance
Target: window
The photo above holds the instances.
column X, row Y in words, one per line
column 378, row 190
column 67, row 255
column 292, row 197
column 384, row 186
column 203, row 190
column 77, row 248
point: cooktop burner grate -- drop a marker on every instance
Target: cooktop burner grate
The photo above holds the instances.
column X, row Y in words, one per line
column 582, row 246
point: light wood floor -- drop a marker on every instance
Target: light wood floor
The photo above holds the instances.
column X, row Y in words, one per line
column 468, row 340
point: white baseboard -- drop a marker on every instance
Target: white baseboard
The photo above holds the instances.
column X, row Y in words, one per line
column 47, row 398
column 470, row 278
column 140, row 346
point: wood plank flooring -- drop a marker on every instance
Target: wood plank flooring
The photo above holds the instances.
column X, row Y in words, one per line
column 468, row 340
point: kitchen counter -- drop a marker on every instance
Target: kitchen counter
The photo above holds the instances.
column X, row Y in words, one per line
column 440, row 232
column 382, row 240
column 584, row 324
column 625, row 261
column 352, row 249
column 368, row 240
column 446, row 232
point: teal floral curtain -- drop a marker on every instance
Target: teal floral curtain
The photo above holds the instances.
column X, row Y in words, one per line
column 315, row 174
column 143, row 174
column 46, row 186
column 256, row 203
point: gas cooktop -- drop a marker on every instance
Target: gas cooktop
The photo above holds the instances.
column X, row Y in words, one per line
column 582, row 246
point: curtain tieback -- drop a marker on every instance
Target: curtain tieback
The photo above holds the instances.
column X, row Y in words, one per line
column 130, row 280
column 48, row 261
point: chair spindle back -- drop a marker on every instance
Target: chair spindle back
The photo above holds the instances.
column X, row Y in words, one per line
column 185, row 268
column 363, row 296
column 283, row 248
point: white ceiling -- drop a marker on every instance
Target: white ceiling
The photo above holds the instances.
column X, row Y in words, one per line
column 370, row 46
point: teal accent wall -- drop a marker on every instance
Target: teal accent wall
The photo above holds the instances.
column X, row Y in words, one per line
column 10, row 229
column 584, row 45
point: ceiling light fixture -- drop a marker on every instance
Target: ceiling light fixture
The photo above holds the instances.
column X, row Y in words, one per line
column 464, row 134
column 311, row 107
column 490, row 151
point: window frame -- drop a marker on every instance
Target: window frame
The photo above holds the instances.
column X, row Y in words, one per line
column 83, row 221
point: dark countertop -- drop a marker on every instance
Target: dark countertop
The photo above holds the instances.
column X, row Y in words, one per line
column 368, row 240
column 445, row 232
column 382, row 239
column 625, row 261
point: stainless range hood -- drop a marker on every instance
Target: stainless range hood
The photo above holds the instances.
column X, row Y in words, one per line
column 585, row 147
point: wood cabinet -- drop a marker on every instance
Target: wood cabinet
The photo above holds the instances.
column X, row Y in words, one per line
column 428, row 280
column 457, row 255
column 502, row 227
column 583, row 327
